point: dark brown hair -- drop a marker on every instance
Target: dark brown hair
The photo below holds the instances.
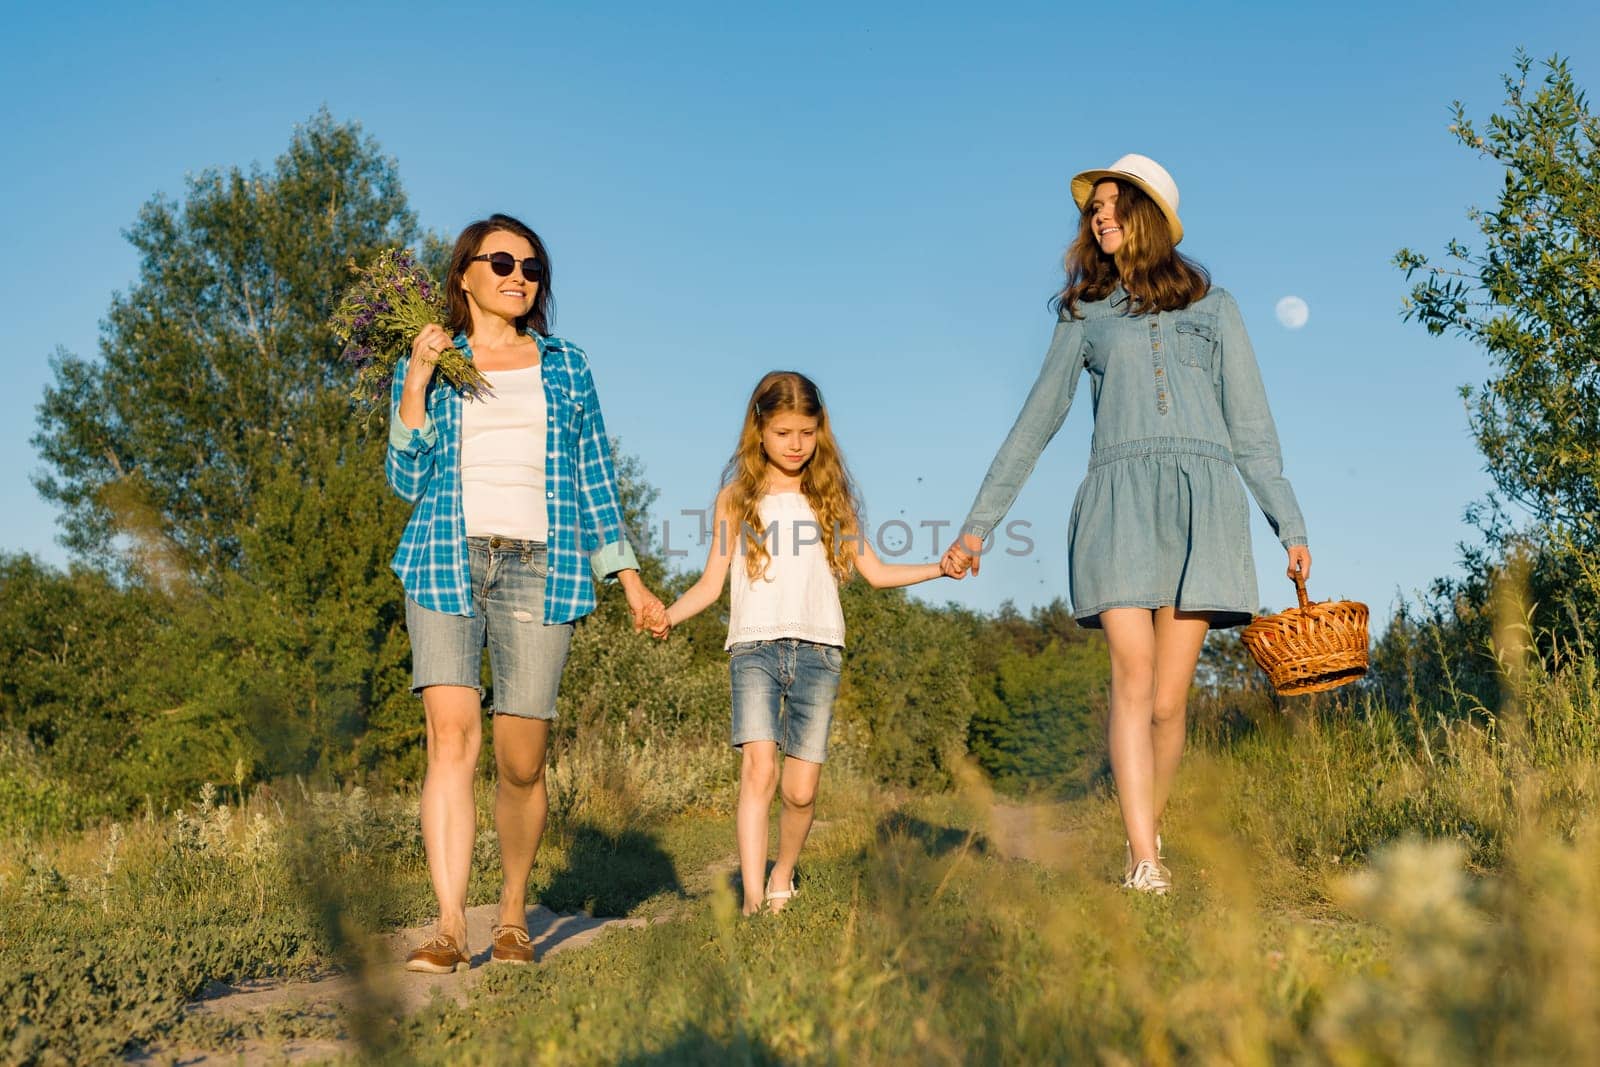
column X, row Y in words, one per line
column 459, row 319
column 1149, row 266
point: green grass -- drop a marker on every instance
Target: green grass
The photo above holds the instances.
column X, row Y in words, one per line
column 1354, row 887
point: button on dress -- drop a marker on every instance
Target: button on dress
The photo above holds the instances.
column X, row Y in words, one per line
column 1180, row 415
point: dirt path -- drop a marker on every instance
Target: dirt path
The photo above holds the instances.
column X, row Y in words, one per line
column 1034, row 832
column 389, row 987
column 326, row 1005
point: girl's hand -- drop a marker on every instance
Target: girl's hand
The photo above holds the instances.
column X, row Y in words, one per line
column 1300, row 559
column 659, row 625
column 430, row 341
column 962, row 555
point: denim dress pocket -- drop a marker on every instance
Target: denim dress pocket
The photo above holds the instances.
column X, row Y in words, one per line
column 1197, row 344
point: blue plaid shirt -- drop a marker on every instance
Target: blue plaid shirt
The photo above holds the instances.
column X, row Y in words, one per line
column 424, row 467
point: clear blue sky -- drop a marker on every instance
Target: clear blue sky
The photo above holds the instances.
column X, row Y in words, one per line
column 874, row 194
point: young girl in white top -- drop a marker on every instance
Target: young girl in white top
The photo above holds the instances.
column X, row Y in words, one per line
column 789, row 511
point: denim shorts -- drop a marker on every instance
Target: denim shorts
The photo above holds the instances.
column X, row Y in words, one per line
column 783, row 691
column 525, row 655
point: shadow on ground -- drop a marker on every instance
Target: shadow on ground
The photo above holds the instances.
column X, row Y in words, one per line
column 611, row 873
column 933, row 839
column 695, row 1046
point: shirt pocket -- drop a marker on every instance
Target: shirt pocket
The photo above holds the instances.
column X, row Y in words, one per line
column 566, row 414
column 1197, row 344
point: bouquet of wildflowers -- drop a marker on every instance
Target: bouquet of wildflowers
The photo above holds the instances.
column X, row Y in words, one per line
column 380, row 314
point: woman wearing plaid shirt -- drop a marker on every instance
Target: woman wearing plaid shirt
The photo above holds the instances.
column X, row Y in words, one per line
column 515, row 500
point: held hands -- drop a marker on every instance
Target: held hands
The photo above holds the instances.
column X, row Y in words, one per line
column 1300, row 560
column 643, row 605
column 660, row 625
column 649, row 614
column 963, row 555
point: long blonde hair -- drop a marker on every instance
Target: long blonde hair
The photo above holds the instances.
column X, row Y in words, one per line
column 1156, row 276
column 824, row 480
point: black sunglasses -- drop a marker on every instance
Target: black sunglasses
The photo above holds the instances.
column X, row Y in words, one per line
column 502, row 262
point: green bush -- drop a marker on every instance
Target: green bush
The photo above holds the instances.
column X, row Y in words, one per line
column 32, row 800
column 1039, row 701
column 905, row 699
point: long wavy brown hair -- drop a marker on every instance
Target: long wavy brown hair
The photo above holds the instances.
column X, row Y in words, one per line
column 1155, row 274
column 459, row 317
column 824, row 480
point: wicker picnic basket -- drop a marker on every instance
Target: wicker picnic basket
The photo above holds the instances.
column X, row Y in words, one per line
column 1312, row 647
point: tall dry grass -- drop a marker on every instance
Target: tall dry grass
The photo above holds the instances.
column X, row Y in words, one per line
column 1357, row 884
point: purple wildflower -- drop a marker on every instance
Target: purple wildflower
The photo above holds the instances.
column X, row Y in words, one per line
column 378, row 316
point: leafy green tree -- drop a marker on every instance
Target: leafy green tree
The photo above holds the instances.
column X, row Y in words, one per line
column 67, row 643
column 216, row 369
column 211, row 449
column 1528, row 293
column 906, row 695
column 1039, row 685
column 103, row 682
column 1038, row 724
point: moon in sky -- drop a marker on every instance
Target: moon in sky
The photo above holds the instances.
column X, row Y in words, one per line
column 1293, row 312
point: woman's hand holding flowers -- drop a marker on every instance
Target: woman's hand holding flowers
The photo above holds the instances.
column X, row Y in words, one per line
column 391, row 304
column 430, row 342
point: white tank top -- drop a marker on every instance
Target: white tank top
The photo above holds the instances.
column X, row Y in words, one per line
column 798, row 596
column 502, row 457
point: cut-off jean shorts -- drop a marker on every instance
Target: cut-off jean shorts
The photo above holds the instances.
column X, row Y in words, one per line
column 525, row 656
column 783, row 691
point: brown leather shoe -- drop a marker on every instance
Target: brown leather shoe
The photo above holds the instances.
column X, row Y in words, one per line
column 438, row 955
column 511, row 945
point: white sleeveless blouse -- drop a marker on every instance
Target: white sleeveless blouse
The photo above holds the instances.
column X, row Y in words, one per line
column 502, row 457
column 798, row 596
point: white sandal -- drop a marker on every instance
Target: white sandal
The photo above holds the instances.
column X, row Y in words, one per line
column 779, row 894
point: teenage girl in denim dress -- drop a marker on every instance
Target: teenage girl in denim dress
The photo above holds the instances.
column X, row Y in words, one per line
column 787, row 528
column 1159, row 538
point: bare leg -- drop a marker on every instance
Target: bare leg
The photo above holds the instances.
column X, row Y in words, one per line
column 449, row 823
column 799, row 789
column 758, row 779
column 521, row 804
column 1178, row 640
column 1130, row 634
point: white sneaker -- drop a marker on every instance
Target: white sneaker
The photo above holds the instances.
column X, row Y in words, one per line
column 1127, row 858
column 1149, row 877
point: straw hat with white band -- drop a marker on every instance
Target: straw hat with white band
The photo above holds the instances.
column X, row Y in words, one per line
column 1144, row 172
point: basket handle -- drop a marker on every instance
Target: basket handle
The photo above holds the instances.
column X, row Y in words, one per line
column 1300, row 591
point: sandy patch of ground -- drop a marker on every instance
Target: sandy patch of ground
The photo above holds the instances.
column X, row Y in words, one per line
column 385, row 990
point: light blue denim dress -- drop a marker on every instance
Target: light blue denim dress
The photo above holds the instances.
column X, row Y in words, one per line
column 1179, row 415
